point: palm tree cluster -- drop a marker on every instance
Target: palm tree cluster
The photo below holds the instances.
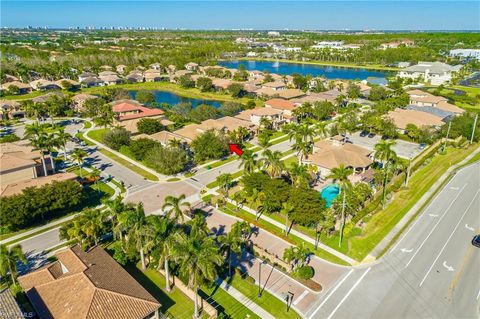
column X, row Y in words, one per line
column 189, row 249
column 46, row 142
column 9, row 258
column 302, row 135
column 297, row 256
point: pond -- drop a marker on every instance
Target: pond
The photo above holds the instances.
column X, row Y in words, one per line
column 172, row 99
column 329, row 72
column 329, row 193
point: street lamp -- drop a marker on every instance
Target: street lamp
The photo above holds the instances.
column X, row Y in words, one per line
column 259, row 277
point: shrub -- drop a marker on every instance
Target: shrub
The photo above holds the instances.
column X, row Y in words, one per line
column 231, row 108
column 139, row 148
column 116, row 138
column 167, row 160
column 304, row 272
column 149, row 126
column 9, row 138
column 145, row 97
column 209, row 145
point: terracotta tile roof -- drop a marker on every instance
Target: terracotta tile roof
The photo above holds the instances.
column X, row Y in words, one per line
column 21, row 149
column 403, row 117
column 331, row 154
column 18, row 187
column 266, row 91
column 261, row 111
column 165, row 136
column 86, row 285
column 131, row 106
column 9, row 308
column 274, row 85
column 280, row 104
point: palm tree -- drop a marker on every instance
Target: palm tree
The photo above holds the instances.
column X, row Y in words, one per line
column 9, row 259
column 72, row 230
column 92, row 225
column 302, row 148
column 174, row 205
column 63, row 138
column 272, row 163
column 40, row 143
column 322, row 129
column 174, row 143
column 248, row 161
column 290, row 255
column 299, row 174
column 265, row 123
column 287, row 210
column 264, row 140
column 51, row 143
column 135, row 223
column 385, row 154
column 115, row 208
column 224, row 181
column 197, row 258
column 324, row 225
column 239, row 199
column 231, row 243
column 96, row 174
column 340, row 175
column 78, row 155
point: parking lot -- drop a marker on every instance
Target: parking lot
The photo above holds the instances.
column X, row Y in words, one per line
column 403, row 149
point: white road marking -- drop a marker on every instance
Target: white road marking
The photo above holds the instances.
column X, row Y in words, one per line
column 349, row 292
column 469, row 228
column 449, row 268
column 454, row 188
column 331, row 293
column 478, row 295
column 435, row 226
column 403, row 250
column 433, row 215
column 449, row 237
column 420, row 217
column 301, row 297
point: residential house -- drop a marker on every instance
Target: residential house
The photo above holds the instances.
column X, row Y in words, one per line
column 11, row 78
column 156, row 66
column 86, row 75
column 10, row 109
column 121, row 68
column 435, row 73
column 87, row 284
column 73, row 85
column 222, row 84
column 465, row 53
column 128, row 113
column 91, row 82
column 44, row 85
column 44, row 98
column 110, row 78
column 396, row 44
column 15, row 188
column 421, row 98
column 276, row 86
column 152, row 75
column 9, row 308
column 174, row 77
column 283, row 105
column 13, row 85
column 290, row 94
column 191, row 66
column 80, row 99
column 333, row 152
column 135, row 77
column 256, row 115
column 164, row 137
column 401, row 118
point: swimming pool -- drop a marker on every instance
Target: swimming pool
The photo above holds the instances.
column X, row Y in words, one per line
column 329, row 193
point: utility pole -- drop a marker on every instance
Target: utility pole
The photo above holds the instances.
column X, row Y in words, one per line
column 446, row 138
column 473, row 128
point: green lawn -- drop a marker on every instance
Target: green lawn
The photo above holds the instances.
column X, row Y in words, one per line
column 280, row 140
column 460, row 100
column 225, row 161
column 276, row 307
column 290, row 160
column 97, row 135
column 234, row 175
column 230, row 209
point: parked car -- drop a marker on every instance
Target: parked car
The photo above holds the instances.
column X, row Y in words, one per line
column 476, row 241
column 371, row 135
column 363, row 133
column 422, row 146
column 384, row 137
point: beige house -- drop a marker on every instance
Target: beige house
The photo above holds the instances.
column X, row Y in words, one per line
column 152, row 75
column 87, row 284
column 11, row 109
column 333, row 152
column 191, row 66
column 276, row 86
column 401, row 118
column 283, row 105
column 43, row 85
column 74, row 84
column 80, row 99
column 256, row 115
column 422, row 98
column 23, row 88
column 128, row 113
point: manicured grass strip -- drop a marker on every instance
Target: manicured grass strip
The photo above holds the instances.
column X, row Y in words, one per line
column 280, row 140
column 225, row 161
column 129, row 165
column 122, row 188
column 35, row 233
column 234, row 175
column 269, row 302
column 223, row 302
column 173, row 179
column 87, row 124
column 229, row 209
column 290, row 160
column 97, row 135
column 174, row 303
column 384, row 221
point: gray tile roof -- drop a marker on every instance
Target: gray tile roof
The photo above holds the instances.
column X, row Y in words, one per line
column 431, row 110
column 9, row 308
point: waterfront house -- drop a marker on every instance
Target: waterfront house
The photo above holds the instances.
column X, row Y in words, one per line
column 256, row 115
column 87, row 284
column 129, row 112
column 135, row 76
column 276, row 86
column 91, row 82
column 79, row 100
column 72, row 85
column 152, row 75
column 110, row 78
column 421, row 98
column 435, row 73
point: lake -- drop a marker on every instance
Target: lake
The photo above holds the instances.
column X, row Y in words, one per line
column 329, row 72
column 172, row 99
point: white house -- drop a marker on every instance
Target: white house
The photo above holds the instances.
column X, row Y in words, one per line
column 434, row 72
column 465, row 53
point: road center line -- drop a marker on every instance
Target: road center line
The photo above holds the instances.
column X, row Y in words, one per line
column 449, row 237
column 349, row 292
column 331, row 293
column 433, row 229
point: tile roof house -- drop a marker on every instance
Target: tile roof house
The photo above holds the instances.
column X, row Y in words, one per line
column 23, row 88
column 191, row 66
column 401, row 118
column 291, row 93
column 276, row 86
column 87, row 284
column 120, row 68
column 330, row 153
column 255, row 115
column 9, row 308
column 80, row 99
column 152, row 75
column 135, row 76
column 44, row 85
column 421, row 98
column 91, row 81
column 128, row 113
column 110, row 78
column 283, row 105
column 11, row 109
column 74, row 84
column 434, row 72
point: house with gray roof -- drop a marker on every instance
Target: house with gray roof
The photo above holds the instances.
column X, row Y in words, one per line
column 435, row 73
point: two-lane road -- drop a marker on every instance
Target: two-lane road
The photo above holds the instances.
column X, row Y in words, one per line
column 432, row 272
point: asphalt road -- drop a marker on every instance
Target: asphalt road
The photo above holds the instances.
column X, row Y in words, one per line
column 432, row 272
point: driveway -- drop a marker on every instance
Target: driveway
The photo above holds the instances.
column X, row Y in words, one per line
column 403, row 149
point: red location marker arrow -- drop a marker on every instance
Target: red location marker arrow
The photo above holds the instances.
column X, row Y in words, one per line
column 234, row 148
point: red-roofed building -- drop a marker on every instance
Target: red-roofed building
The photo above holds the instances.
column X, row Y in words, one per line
column 129, row 112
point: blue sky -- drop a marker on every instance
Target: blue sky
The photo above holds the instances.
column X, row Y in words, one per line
column 321, row 15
